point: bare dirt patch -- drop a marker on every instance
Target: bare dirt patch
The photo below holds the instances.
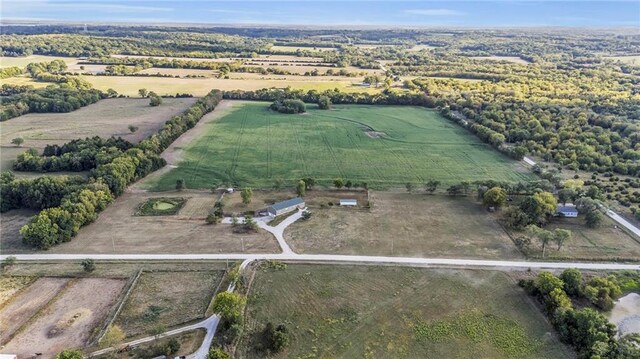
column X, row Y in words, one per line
column 375, row 134
column 28, row 303
column 12, row 221
column 70, row 320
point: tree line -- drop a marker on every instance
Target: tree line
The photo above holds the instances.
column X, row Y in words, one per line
column 67, row 208
column 21, row 101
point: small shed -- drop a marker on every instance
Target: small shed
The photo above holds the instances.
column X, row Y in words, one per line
column 287, row 206
column 567, row 210
column 348, row 202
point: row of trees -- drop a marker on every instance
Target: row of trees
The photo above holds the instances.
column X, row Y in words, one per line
column 588, row 331
column 50, row 99
column 58, row 224
column 75, row 156
column 290, row 106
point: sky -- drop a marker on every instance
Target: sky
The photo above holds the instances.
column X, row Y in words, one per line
column 505, row 13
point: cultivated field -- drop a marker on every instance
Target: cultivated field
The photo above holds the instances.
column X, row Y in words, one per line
column 179, row 72
column 302, row 48
column 117, row 230
column 385, row 312
column 385, row 146
column 67, row 322
column 403, row 224
column 6, row 61
column 109, row 117
column 167, row 299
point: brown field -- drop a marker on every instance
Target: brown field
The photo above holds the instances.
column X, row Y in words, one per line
column 403, row 224
column 23, row 61
column 605, row 243
column 230, row 59
column 514, row 59
column 109, row 117
column 117, row 230
column 179, row 72
column 180, row 297
column 28, row 303
column 69, row 321
column 303, row 48
column 417, row 48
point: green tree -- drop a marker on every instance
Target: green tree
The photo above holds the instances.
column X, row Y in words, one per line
column 133, row 128
column 593, row 218
column 546, row 282
column 217, row 353
column 338, row 183
column 70, row 354
column 155, row 100
column 229, row 306
column 7, row 262
column 494, row 197
column 301, row 188
column 309, row 182
column 143, row 92
column 431, row 186
column 88, row 265
column 543, row 236
column 454, row 190
column 324, row 102
column 247, row 195
column 602, row 292
column 18, row 141
column 180, row 184
column 567, row 194
column 409, row 186
column 572, row 279
column 561, row 236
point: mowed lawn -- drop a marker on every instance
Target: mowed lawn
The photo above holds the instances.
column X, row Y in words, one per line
column 387, row 312
column 385, row 146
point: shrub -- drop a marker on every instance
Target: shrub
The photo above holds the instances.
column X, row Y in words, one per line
column 88, row 265
column 290, row 106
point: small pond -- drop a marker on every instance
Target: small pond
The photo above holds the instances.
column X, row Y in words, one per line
column 626, row 314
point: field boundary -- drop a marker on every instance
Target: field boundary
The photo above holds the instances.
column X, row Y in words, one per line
column 17, row 293
column 110, row 319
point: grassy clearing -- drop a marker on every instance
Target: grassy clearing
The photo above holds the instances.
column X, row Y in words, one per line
column 23, row 61
column 385, row 312
column 164, row 206
column 608, row 242
column 403, row 224
column 167, row 299
column 301, row 48
column 9, row 286
column 385, row 146
column 179, row 72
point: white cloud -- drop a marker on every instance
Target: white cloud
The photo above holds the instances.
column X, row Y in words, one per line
column 434, row 12
column 11, row 6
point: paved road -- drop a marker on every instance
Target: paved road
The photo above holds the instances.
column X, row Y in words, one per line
column 335, row 258
column 623, row 222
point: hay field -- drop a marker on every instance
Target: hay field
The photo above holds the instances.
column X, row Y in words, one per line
column 385, row 146
column 385, row 312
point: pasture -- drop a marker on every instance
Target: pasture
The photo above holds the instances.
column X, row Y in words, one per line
column 385, row 146
column 404, row 224
column 387, row 312
column 629, row 60
column 105, row 118
column 512, row 59
column 166, row 300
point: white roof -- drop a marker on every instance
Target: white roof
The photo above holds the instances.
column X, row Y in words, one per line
column 8, row 356
column 348, row 201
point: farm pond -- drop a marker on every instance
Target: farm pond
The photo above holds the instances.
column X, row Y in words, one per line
column 626, row 314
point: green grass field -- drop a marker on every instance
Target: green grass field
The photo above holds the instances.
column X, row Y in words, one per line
column 386, row 312
column 385, row 146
